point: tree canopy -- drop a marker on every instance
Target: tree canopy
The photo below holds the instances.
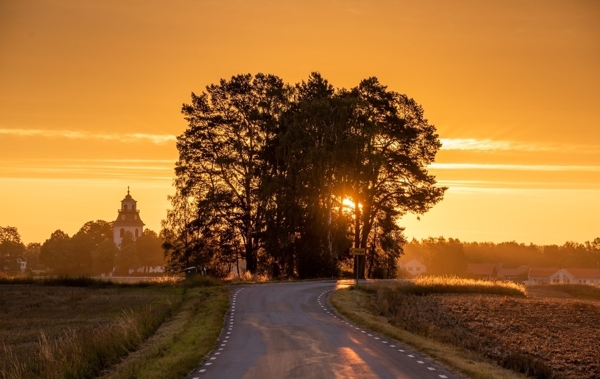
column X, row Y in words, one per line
column 290, row 177
column 11, row 248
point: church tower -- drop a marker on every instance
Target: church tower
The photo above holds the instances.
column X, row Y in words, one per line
column 128, row 220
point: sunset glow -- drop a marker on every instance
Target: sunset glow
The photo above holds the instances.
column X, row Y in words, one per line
column 92, row 93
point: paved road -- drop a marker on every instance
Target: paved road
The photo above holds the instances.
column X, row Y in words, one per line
column 287, row 330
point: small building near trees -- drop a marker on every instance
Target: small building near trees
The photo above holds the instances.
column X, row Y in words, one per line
column 414, row 266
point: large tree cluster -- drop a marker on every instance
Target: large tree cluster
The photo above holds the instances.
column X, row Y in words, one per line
column 289, row 178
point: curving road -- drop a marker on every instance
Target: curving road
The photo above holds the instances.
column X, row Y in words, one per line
column 287, row 330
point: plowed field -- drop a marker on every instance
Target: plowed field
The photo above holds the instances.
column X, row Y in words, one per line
column 564, row 334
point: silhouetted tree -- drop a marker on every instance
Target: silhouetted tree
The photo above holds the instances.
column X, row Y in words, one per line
column 220, row 155
column 32, row 255
column 126, row 257
column 56, row 253
column 149, row 250
column 11, row 248
column 104, row 257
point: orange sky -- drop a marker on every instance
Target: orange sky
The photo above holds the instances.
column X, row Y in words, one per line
column 91, row 92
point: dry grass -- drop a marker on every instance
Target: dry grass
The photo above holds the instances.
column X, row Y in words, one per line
column 247, row 278
column 74, row 332
column 77, row 327
column 180, row 343
column 432, row 284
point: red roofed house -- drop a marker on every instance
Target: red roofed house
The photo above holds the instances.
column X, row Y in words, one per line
column 513, row 273
column 541, row 275
column 485, row 271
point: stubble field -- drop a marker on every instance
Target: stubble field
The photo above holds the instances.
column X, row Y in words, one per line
column 543, row 337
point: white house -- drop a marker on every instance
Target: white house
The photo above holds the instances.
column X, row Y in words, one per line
column 22, row 263
column 576, row 276
column 413, row 266
column 564, row 275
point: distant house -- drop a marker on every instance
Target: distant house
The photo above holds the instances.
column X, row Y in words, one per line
column 413, row 266
column 22, row 264
column 541, row 275
column 564, row 275
column 484, row 271
column 513, row 273
column 576, row 276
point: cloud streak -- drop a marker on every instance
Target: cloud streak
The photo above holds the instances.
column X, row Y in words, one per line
column 512, row 167
column 474, row 144
column 158, row 139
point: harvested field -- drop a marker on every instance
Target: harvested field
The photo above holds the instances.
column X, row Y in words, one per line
column 544, row 337
column 56, row 331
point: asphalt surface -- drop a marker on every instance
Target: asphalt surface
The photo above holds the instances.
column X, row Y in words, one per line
column 287, row 330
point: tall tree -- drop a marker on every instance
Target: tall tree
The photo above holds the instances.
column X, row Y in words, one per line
column 103, row 257
column 11, row 248
column 307, row 193
column 395, row 144
column 149, row 251
column 32, row 255
column 220, row 154
column 126, row 257
column 56, row 253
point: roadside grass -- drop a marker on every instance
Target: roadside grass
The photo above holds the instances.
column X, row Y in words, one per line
column 79, row 327
column 182, row 342
column 360, row 308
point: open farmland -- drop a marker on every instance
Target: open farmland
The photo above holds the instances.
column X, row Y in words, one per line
column 544, row 337
column 48, row 331
column 56, row 331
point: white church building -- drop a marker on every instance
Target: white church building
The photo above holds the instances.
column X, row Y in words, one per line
column 128, row 220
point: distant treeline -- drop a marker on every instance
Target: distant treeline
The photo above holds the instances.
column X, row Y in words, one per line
column 450, row 256
column 90, row 251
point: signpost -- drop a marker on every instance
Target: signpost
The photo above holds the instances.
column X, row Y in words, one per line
column 356, row 251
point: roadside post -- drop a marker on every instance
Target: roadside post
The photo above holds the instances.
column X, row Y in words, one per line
column 356, row 251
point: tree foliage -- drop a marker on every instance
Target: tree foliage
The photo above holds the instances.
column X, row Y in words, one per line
column 11, row 248
column 450, row 256
column 266, row 172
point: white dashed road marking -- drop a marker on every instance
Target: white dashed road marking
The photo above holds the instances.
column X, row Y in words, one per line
column 371, row 335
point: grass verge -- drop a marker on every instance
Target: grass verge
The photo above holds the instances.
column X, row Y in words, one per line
column 359, row 307
column 182, row 342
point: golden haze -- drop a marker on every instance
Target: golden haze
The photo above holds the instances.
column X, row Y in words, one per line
column 91, row 94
